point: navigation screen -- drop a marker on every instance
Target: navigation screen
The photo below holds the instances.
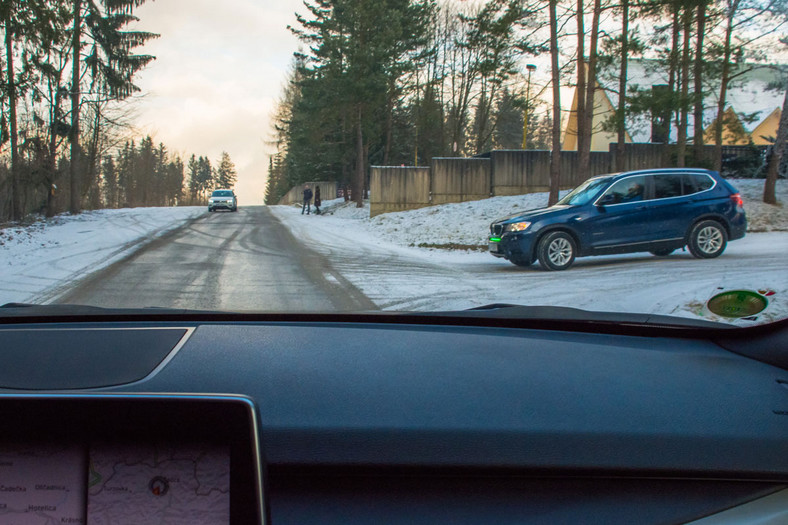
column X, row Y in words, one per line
column 115, row 484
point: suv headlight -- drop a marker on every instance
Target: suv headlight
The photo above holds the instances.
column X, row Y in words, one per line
column 516, row 226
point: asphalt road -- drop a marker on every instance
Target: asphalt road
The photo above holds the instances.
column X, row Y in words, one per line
column 243, row 261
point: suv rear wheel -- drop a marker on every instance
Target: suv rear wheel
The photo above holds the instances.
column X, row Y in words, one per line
column 556, row 251
column 707, row 240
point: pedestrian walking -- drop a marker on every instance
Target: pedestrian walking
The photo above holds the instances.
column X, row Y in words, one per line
column 317, row 200
column 307, row 200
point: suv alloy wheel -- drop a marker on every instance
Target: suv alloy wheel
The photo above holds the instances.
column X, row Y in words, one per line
column 707, row 240
column 557, row 251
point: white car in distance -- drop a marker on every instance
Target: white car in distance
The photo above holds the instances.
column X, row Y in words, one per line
column 223, row 199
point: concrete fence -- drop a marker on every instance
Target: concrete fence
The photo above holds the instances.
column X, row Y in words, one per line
column 468, row 179
column 501, row 172
column 398, row 189
column 328, row 191
column 459, row 179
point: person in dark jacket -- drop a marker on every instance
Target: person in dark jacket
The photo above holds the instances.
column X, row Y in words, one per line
column 317, row 200
column 307, row 200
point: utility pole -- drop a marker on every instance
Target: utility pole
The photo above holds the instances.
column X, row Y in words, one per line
column 531, row 68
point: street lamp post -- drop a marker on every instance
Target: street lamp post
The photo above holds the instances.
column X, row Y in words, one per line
column 531, row 68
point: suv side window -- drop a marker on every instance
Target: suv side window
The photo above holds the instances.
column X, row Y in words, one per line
column 666, row 186
column 695, row 183
column 626, row 190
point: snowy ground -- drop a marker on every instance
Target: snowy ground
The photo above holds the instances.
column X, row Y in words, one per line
column 40, row 259
column 382, row 257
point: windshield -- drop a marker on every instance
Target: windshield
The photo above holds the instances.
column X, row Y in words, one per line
column 584, row 193
column 366, row 151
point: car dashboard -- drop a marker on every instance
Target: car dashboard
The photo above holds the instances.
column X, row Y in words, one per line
column 222, row 418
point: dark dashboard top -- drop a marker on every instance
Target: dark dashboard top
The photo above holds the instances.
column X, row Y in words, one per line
column 410, row 398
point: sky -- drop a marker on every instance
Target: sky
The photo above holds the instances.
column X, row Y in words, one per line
column 219, row 69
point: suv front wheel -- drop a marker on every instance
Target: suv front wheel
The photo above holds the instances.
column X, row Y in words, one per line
column 556, row 251
column 707, row 240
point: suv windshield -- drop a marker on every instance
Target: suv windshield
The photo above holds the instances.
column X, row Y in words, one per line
column 584, row 193
column 347, row 156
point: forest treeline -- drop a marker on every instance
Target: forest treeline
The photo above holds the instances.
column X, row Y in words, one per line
column 147, row 175
column 397, row 82
column 66, row 75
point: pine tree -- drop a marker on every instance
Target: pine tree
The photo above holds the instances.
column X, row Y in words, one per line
column 110, row 62
column 493, row 35
column 31, row 24
column 174, row 182
column 205, row 179
column 358, row 47
column 110, row 176
column 509, row 121
column 226, row 176
column 193, row 183
column 144, row 173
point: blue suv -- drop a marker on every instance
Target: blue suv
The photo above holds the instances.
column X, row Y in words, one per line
column 655, row 211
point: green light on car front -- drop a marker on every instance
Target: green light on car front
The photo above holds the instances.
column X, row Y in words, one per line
column 495, row 239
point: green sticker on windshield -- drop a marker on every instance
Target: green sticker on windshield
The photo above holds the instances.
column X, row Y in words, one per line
column 737, row 303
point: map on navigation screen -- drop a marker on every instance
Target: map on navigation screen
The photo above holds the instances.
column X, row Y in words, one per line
column 42, row 485
column 174, row 485
column 188, row 484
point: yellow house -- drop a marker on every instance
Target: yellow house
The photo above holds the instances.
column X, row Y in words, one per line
column 766, row 132
column 733, row 132
column 600, row 139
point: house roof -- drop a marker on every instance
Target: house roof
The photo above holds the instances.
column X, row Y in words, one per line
column 766, row 132
column 603, row 109
column 733, row 132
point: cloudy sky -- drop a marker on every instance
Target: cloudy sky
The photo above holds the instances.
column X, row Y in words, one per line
column 219, row 69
